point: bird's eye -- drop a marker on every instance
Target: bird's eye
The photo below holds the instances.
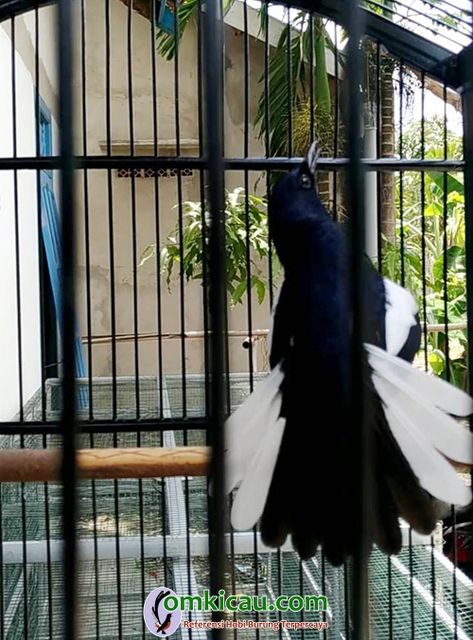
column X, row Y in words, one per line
column 305, row 181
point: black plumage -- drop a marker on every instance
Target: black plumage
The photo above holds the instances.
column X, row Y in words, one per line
column 310, row 492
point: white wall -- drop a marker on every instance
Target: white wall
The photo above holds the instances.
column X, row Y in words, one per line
column 26, row 301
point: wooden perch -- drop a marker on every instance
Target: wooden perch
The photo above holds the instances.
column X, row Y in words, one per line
column 43, row 465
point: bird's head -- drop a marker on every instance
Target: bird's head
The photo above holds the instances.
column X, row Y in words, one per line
column 294, row 203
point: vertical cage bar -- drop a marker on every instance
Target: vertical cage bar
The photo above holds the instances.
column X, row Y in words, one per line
column 401, row 173
column 324, row 589
column 356, row 198
column 336, row 124
column 311, row 75
column 25, row 575
column 267, row 142
column 390, row 598
column 2, row 576
column 87, row 231
column 205, row 283
column 182, row 276
column 44, row 371
column 411, row 587
column 95, row 543
column 445, row 236
column 213, row 131
column 111, row 234
column 68, row 418
column 157, row 214
column 118, row 573
column 379, row 154
column 289, row 82
column 41, row 261
column 17, row 227
column 423, row 226
column 466, row 68
column 134, row 228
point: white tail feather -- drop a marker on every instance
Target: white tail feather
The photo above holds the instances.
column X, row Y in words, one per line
column 448, row 436
column 432, row 389
column 246, row 428
column 414, row 402
column 433, row 471
column 251, row 497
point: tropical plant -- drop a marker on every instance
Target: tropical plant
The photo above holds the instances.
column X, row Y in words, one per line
column 432, row 232
column 187, row 11
column 167, row 43
column 289, row 78
column 284, row 110
column 247, row 244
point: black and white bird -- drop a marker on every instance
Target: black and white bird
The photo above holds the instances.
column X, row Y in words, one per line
column 290, row 445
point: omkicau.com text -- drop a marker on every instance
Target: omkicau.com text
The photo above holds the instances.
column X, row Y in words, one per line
column 243, row 602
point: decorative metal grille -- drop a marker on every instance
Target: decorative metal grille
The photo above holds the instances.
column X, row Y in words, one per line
column 153, row 173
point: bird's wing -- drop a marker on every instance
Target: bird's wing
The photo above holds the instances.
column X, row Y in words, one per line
column 279, row 337
column 401, row 320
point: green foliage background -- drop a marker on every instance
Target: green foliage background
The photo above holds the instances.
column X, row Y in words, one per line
column 247, row 245
column 430, row 226
column 430, row 212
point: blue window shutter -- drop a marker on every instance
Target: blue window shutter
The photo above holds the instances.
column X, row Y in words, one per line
column 52, row 243
column 165, row 15
column 51, row 239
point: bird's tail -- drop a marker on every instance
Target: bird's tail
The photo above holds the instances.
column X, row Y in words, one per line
column 253, row 436
column 418, row 408
column 416, row 440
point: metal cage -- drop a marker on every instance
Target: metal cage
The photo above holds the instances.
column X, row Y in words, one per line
column 115, row 131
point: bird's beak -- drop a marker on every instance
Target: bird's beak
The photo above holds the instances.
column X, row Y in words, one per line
column 312, row 156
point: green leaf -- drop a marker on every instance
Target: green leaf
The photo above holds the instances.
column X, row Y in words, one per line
column 455, row 260
column 239, row 291
column 247, row 242
column 260, row 290
column 437, row 361
column 433, row 209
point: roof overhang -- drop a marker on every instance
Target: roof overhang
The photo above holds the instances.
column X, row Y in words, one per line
column 413, row 49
